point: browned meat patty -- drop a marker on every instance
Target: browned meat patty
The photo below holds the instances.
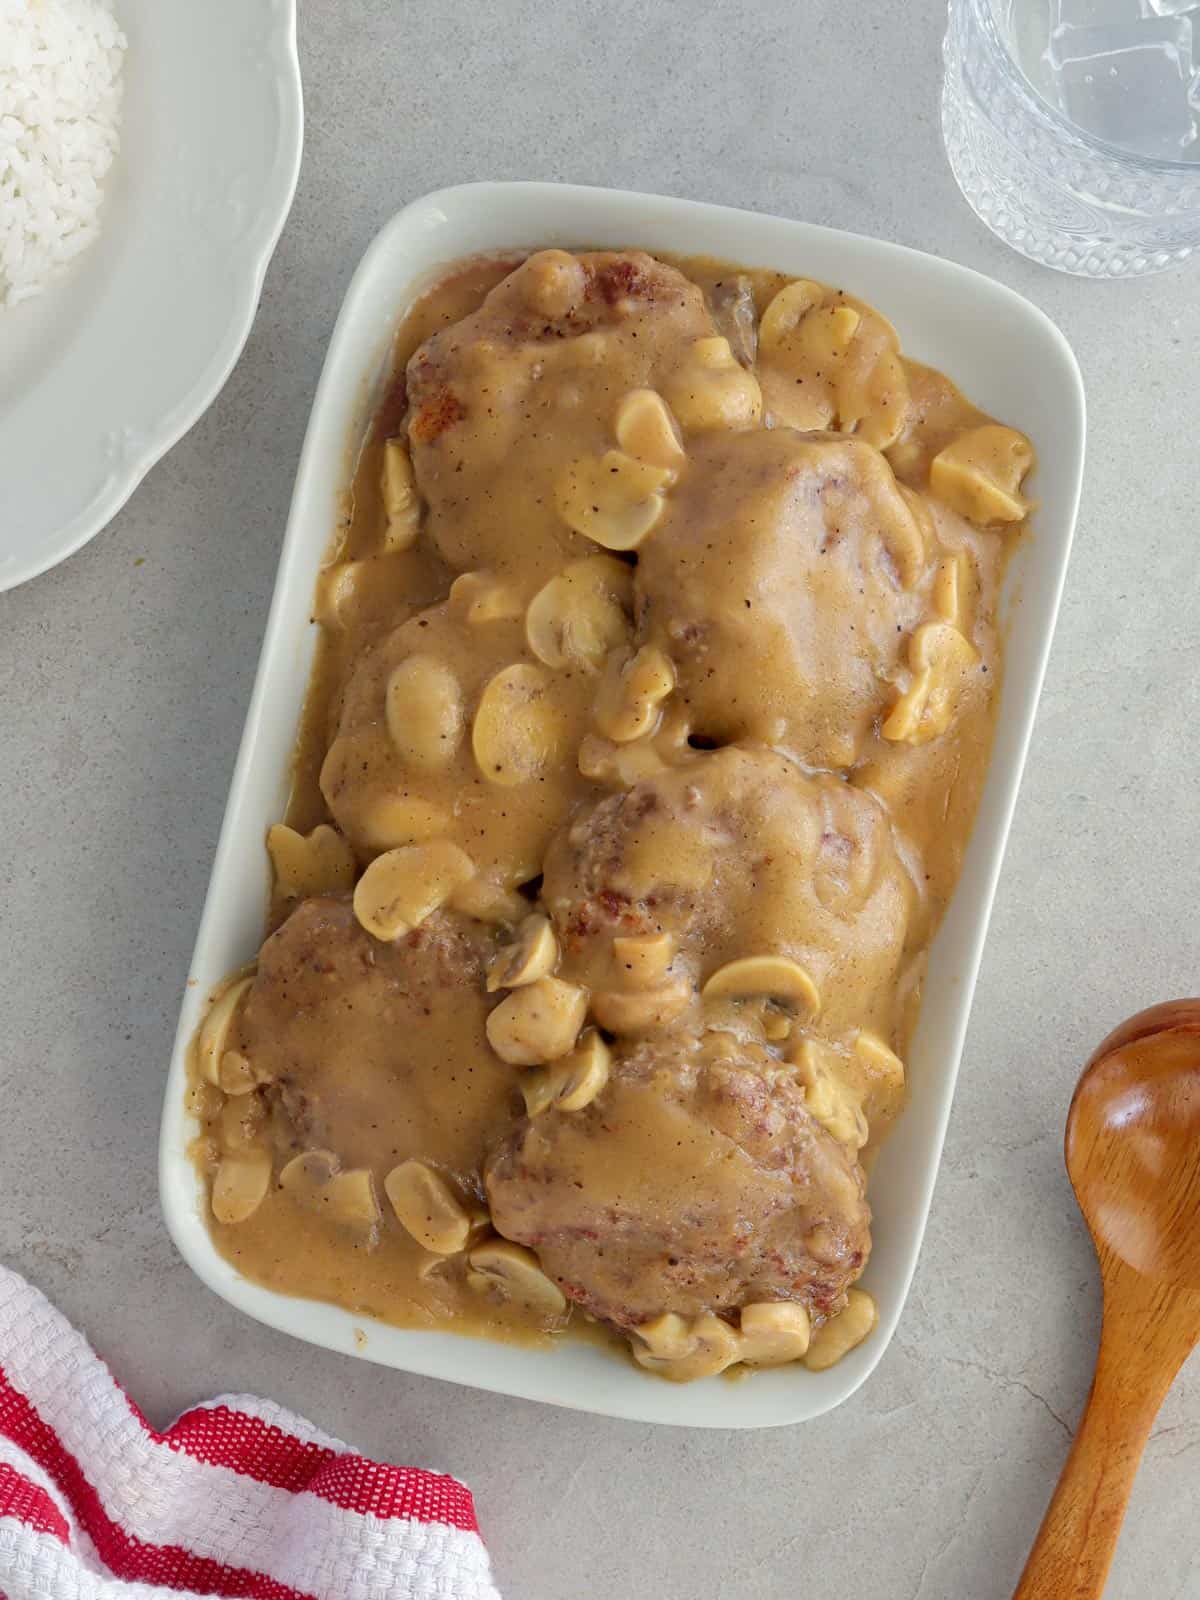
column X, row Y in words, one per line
column 501, row 401
column 794, row 559
column 697, row 1181
column 737, row 853
column 374, row 1051
column 382, row 793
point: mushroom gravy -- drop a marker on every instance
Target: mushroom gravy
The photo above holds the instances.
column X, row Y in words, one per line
column 652, row 706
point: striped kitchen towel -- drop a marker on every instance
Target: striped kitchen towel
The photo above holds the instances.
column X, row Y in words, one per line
column 238, row 1497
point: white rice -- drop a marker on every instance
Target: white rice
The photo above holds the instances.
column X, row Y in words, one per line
column 60, row 113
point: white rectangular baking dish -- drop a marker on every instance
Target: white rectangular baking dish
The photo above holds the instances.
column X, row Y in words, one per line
column 1011, row 360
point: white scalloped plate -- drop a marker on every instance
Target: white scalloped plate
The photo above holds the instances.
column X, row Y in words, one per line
column 1012, row 361
column 112, row 364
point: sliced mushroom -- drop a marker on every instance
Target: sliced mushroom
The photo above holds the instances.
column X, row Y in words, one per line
column 829, row 1099
column 646, row 430
column 553, row 282
column 533, row 954
column 841, row 1334
column 777, row 977
column 585, row 1072
column 619, row 766
column 824, row 337
column 519, row 728
column 320, row 862
column 776, row 1024
column 338, row 589
column 241, row 1184
column 304, row 1174
column 402, row 887
column 242, row 1122
column 642, row 1011
column 352, row 1200
column 871, row 387
column 401, row 506
column 517, row 1274
column 641, row 961
column 802, row 328
column 391, row 820
column 774, row 1332
column 614, row 499
column 481, row 597
column 979, row 474
column 578, row 617
column 236, row 1075
column 537, row 1023
column 539, row 1088
column 489, row 902
column 742, row 1021
column 428, row 1207
column 710, row 389
column 315, row 1180
column 572, row 1083
column 424, row 708
column 217, row 1028
column 666, row 1337
column 948, row 586
column 941, row 660
column 844, row 359
column 203, row 1101
column 431, row 1266
column 631, row 693
column 879, row 1060
column 709, row 1346
column 786, row 309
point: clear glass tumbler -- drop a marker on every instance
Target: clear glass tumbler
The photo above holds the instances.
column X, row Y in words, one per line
column 1040, row 183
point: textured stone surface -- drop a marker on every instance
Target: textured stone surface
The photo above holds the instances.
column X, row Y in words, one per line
column 124, row 678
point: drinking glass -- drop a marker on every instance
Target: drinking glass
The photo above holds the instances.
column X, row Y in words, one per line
column 1044, row 185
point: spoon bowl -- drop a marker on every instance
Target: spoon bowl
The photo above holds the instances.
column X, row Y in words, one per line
column 1133, row 1157
column 1133, row 1144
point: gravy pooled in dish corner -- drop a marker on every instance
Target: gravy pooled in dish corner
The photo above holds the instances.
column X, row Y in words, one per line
column 651, row 711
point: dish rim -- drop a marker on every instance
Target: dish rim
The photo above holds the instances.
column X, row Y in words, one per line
column 453, row 1357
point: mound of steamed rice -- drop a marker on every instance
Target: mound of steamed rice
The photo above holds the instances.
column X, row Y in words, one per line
column 60, row 111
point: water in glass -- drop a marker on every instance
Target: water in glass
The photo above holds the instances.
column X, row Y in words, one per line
column 1073, row 128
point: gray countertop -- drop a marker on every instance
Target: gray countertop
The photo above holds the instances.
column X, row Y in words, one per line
column 125, row 676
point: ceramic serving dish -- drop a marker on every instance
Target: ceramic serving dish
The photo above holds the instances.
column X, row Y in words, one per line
column 1011, row 360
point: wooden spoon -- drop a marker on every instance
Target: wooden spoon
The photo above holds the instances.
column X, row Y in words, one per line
column 1133, row 1155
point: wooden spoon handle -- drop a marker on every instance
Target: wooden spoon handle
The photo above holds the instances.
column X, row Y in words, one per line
column 1143, row 1344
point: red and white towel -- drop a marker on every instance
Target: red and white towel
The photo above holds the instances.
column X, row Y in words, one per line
column 238, row 1497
